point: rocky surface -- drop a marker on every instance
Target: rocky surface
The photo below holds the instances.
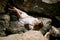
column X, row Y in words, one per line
column 2, row 5
column 29, row 35
column 16, row 27
column 4, row 23
column 10, row 27
column 40, row 8
column 33, row 5
column 50, row 1
column 46, row 25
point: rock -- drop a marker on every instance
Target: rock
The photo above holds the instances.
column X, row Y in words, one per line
column 38, row 6
column 55, row 31
column 15, row 27
column 46, row 21
column 46, row 25
column 29, row 35
column 57, row 17
column 13, row 16
column 50, row 1
column 33, row 5
column 4, row 23
column 2, row 5
column 8, row 27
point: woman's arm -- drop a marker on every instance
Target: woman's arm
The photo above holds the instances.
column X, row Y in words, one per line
column 14, row 9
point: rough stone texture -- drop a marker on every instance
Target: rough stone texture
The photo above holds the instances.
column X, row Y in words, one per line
column 55, row 31
column 46, row 24
column 16, row 27
column 4, row 23
column 39, row 7
column 10, row 27
column 29, row 35
column 46, row 21
column 33, row 5
column 2, row 5
column 50, row 1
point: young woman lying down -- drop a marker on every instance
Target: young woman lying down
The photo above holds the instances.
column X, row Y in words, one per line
column 25, row 19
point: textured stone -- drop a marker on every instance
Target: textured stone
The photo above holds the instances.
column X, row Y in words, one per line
column 46, row 25
column 50, row 1
column 55, row 31
column 2, row 5
column 10, row 27
column 39, row 7
column 16, row 27
column 4, row 23
column 29, row 35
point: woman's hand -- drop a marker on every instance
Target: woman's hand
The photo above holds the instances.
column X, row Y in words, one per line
column 14, row 9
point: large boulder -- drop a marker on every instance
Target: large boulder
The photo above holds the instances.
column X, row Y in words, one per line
column 33, row 5
column 50, row 1
column 46, row 24
column 55, row 33
column 38, row 6
column 4, row 23
column 29, row 35
column 10, row 27
column 15, row 27
column 2, row 5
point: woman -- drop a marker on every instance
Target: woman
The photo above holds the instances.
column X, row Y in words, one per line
column 24, row 18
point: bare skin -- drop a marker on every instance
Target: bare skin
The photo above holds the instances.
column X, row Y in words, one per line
column 26, row 19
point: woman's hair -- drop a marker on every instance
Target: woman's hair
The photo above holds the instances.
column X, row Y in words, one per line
column 37, row 27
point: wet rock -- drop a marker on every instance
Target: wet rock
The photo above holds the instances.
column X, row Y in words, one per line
column 29, row 35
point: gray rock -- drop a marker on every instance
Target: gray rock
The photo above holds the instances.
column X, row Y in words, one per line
column 16, row 27
column 46, row 25
column 55, row 31
column 10, row 27
column 4, row 23
column 46, row 21
column 2, row 5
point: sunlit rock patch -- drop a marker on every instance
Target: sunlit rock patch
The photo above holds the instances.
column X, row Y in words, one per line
column 29, row 35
